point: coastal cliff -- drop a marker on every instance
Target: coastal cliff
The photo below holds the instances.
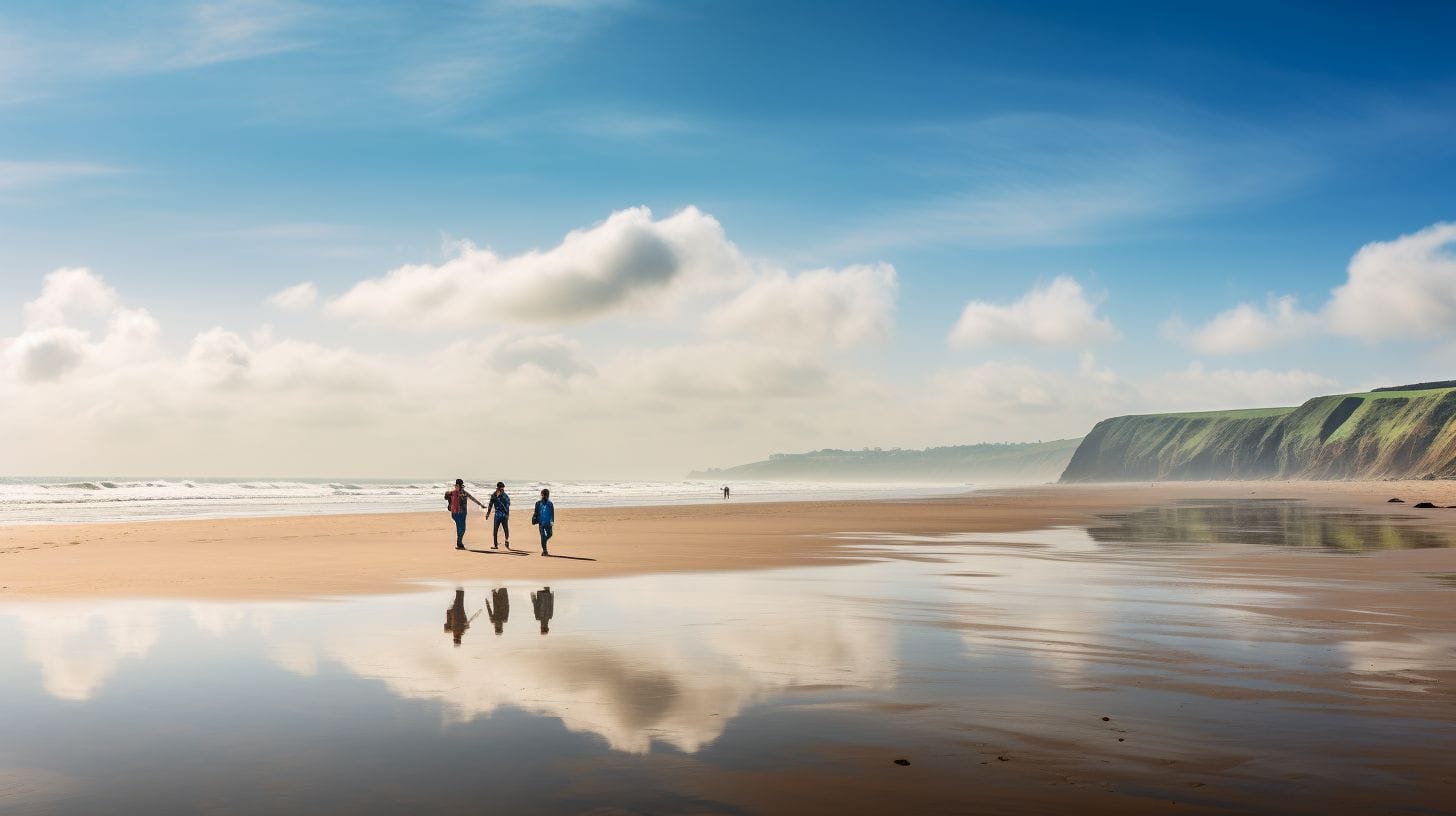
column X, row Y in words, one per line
column 1407, row 432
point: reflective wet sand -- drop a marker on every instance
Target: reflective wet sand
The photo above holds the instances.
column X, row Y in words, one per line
column 1061, row 670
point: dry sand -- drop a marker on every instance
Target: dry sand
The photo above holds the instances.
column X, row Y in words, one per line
column 310, row 556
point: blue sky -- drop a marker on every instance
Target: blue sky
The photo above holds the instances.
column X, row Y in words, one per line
column 1174, row 161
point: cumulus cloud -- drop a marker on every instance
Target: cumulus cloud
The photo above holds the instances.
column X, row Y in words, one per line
column 1016, row 400
column 53, row 346
column 1199, row 388
column 819, row 308
column 627, row 260
column 47, row 354
column 69, row 292
column 1400, row 288
column 219, row 357
column 295, row 298
column 1056, row 315
column 1246, row 327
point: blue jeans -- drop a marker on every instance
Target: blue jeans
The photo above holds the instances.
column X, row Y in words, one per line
column 501, row 522
column 545, row 536
column 459, row 527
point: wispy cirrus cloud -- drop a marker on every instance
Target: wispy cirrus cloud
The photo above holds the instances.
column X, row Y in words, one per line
column 21, row 175
column 1054, row 178
column 42, row 55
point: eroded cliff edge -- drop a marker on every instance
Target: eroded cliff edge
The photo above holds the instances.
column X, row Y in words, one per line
column 1405, row 433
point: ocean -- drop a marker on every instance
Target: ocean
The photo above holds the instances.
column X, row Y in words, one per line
column 89, row 499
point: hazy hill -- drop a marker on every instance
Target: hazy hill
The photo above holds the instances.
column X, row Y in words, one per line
column 1405, row 432
column 1011, row 462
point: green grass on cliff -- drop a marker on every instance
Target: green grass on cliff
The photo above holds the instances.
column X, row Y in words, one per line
column 1409, row 433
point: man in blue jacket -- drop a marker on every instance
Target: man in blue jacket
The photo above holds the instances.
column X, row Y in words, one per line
column 544, row 515
column 500, row 505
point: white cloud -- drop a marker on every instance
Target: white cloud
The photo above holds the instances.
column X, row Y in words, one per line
column 820, row 308
column 1197, row 388
column 219, row 357
column 626, row 261
column 52, row 346
column 47, row 354
column 295, row 298
column 1055, row 315
column 1246, row 327
column 1401, row 288
column 68, row 293
column 98, row 392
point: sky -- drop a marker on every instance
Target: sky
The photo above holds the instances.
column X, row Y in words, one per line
column 628, row 239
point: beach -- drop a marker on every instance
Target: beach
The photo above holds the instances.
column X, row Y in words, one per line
column 1184, row 647
column 307, row 556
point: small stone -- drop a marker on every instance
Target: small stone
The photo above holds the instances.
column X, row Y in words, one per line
column 1107, row 719
column 902, row 762
column 1395, row 501
column 1120, row 739
column 1424, row 506
column 1004, row 758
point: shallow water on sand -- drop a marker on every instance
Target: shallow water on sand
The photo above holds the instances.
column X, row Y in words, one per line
column 1056, row 669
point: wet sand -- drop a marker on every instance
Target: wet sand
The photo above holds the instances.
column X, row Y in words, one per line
column 315, row 556
column 1100, row 673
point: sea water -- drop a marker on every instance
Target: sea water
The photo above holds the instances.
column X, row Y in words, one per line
column 93, row 499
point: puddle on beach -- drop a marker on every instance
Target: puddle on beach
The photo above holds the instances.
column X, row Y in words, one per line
column 1034, row 668
column 1276, row 522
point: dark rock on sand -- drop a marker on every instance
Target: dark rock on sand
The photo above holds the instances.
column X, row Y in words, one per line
column 1395, row 501
column 1424, row 506
column 902, row 762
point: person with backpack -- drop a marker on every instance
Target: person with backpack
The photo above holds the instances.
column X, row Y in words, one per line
column 457, row 501
column 500, row 504
column 544, row 516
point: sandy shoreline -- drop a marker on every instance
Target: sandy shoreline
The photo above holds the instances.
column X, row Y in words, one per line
column 308, row 556
column 1265, row 646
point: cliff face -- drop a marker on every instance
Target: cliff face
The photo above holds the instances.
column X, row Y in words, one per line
column 1388, row 434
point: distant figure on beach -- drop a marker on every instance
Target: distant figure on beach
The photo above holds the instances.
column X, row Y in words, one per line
column 544, row 603
column 500, row 611
column 500, row 504
column 457, row 500
column 455, row 620
column 725, row 491
column 544, row 516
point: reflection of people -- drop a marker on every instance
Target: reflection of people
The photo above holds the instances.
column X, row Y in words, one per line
column 457, row 500
column 544, row 603
column 455, row 621
column 500, row 503
column 725, row 491
column 545, row 516
column 500, row 611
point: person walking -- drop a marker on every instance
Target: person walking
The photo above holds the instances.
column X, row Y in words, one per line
column 544, row 515
column 500, row 505
column 457, row 501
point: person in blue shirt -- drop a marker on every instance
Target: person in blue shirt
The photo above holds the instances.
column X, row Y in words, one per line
column 544, row 516
column 500, row 505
